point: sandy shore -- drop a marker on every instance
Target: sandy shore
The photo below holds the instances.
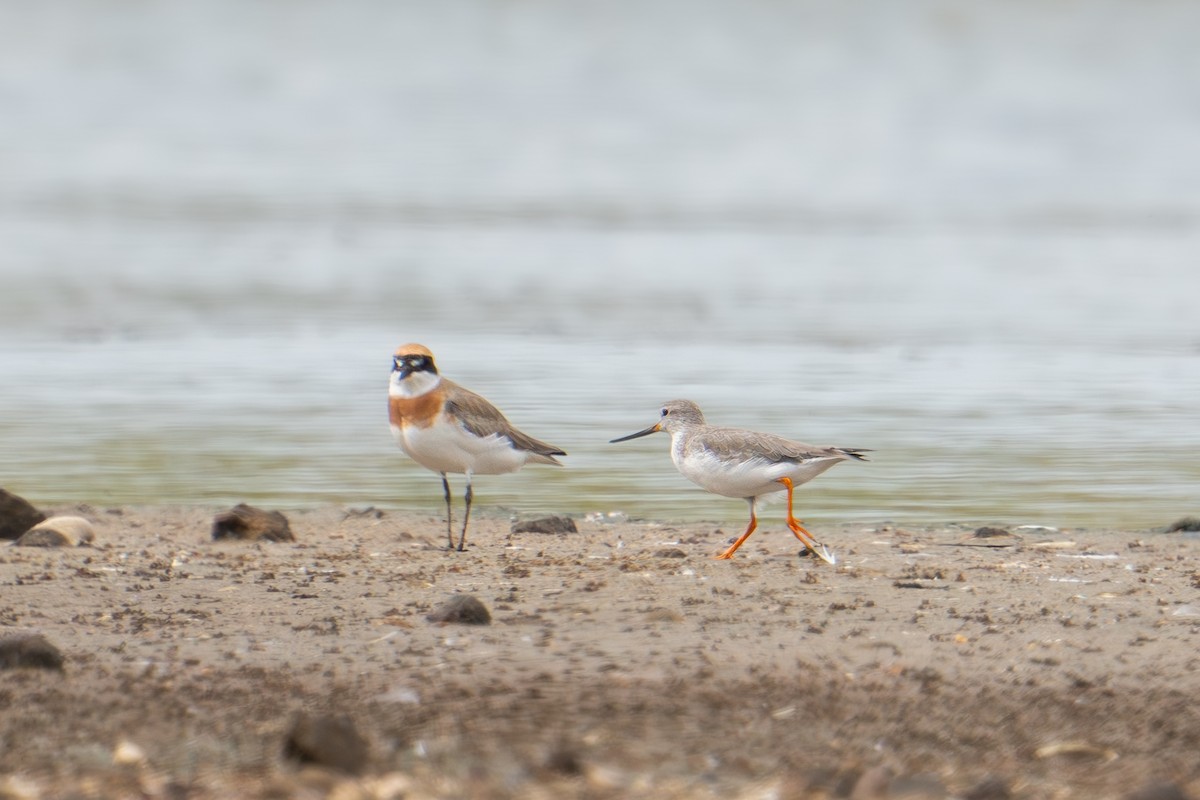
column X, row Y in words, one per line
column 621, row 661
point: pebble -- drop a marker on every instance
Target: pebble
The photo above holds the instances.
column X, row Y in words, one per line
column 17, row 787
column 128, row 754
column 462, row 609
column 1159, row 791
column 327, row 741
column 670, row 552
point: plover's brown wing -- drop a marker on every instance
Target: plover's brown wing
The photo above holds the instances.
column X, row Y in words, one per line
column 483, row 419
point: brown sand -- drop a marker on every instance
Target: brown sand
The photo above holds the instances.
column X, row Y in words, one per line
column 622, row 661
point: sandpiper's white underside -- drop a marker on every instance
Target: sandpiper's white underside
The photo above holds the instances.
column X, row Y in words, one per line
column 743, row 477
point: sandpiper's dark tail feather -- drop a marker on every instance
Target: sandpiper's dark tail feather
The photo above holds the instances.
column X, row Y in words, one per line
column 856, row 452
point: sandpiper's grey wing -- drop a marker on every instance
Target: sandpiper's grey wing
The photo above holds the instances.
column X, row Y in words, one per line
column 735, row 444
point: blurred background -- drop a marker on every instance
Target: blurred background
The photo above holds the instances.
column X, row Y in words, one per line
column 963, row 235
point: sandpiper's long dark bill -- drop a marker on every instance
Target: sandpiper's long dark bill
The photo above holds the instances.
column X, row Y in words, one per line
column 746, row 464
column 655, row 428
column 449, row 429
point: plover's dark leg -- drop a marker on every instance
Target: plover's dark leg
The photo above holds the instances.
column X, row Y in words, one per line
column 449, row 512
column 462, row 539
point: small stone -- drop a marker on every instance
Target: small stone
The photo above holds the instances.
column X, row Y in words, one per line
column 462, row 609
column 988, row 536
column 29, row 650
column 1159, row 791
column 128, row 754
column 16, row 787
column 872, row 784
column 991, row 788
column 914, row 787
column 251, row 524
column 670, row 552
column 43, row 538
column 564, row 761
column 58, row 532
column 1185, row 525
column 554, row 524
column 327, row 741
column 16, row 515
column 392, row 786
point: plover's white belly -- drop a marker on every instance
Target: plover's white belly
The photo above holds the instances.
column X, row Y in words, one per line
column 447, row 447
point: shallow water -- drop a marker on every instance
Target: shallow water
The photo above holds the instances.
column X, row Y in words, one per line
column 981, row 265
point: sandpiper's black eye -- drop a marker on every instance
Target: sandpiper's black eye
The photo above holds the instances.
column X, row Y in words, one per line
column 666, row 411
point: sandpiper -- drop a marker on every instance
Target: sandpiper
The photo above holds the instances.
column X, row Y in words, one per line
column 746, row 464
column 446, row 428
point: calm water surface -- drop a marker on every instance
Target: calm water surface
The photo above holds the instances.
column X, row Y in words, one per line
column 973, row 251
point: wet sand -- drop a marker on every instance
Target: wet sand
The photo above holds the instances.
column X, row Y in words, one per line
column 621, row 661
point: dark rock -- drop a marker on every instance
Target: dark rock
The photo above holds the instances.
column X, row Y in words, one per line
column 29, row 650
column 992, row 788
column 1159, row 791
column 327, row 741
column 987, row 532
column 251, row 524
column 462, row 609
column 564, row 761
column 1185, row 525
column 546, row 525
column 16, row 515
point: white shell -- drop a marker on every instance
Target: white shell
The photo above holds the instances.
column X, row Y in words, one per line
column 77, row 529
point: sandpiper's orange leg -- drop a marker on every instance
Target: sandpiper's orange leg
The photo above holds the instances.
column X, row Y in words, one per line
column 749, row 530
column 794, row 525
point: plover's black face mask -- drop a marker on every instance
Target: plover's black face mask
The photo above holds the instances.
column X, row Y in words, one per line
column 407, row 365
